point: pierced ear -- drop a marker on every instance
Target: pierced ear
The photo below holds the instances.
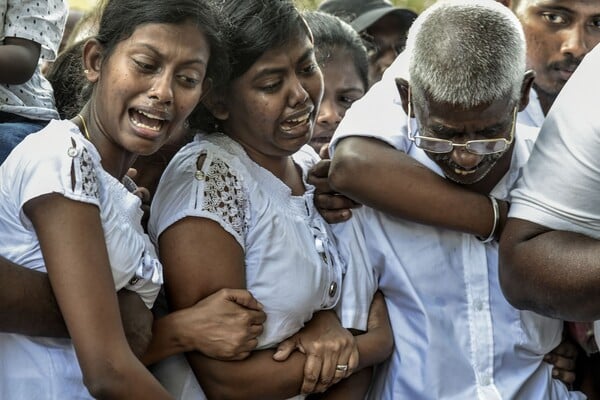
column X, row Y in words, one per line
column 526, row 88
column 403, row 89
column 216, row 104
column 92, row 59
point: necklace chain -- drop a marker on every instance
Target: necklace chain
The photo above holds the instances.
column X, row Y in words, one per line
column 85, row 129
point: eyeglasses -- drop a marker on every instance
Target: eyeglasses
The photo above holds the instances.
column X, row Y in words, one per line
column 480, row 147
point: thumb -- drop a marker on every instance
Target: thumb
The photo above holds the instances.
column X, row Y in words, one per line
column 245, row 298
column 284, row 349
column 324, row 152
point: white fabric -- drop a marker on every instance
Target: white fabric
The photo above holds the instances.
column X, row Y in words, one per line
column 532, row 115
column 290, row 253
column 45, row 162
column 560, row 184
column 455, row 335
column 42, row 22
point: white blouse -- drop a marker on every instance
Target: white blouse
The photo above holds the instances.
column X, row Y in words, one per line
column 59, row 160
column 292, row 264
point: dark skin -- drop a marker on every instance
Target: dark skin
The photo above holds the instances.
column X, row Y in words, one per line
column 409, row 195
column 565, row 293
column 18, row 60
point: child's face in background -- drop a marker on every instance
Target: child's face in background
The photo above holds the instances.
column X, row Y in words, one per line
column 343, row 86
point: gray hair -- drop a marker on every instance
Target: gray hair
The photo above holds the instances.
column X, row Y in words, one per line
column 466, row 53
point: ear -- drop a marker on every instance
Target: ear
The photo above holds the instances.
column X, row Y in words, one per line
column 403, row 88
column 216, row 104
column 92, row 59
column 526, row 88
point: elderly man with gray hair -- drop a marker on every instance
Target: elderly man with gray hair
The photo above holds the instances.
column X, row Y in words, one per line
column 456, row 336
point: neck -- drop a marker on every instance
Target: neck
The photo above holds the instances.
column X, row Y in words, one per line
column 546, row 99
column 114, row 159
column 283, row 167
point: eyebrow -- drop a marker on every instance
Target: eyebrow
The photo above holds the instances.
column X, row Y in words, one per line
column 272, row 71
column 158, row 53
column 490, row 130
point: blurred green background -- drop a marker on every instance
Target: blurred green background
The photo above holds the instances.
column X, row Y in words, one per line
column 415, row 5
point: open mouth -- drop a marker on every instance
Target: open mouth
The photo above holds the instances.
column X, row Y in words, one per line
column 293, row 123
column 146, row 120
column 464, row 172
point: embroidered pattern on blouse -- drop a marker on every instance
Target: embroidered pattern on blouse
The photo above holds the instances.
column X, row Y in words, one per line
column 224, row 196
column 89, row 180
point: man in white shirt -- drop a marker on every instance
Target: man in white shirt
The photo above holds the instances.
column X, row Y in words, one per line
column 456, row 337
column 550, row 248
column 558, row 33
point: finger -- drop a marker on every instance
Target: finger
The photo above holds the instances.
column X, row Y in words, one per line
column 562, row 363
column 566, row 349
column 328, row 372
column 334, row 201
column 567, row 377
column 131, row 172
column 312, row 372
column 243, row 298
column 335, row 217
column 319, row 170
column 143, row 193
column 353, row 362
column 284, row 350
column 324, row 152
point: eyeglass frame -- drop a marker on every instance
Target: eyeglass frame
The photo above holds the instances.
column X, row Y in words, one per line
column 412, row 137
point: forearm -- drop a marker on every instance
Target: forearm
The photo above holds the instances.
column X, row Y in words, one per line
column 379, row 176
column 374, row 346
column 354, row 387
column 257, row 377
column 553, row 273
column 18, row 60
column 167, row 339
column 27, row 304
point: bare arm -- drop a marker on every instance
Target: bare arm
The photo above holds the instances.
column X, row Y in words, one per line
column 18, row 60
column 223, row 326
column 75, row 255
column 372, row 173
column 553, row 273
column 193, row 272
column 28, row 307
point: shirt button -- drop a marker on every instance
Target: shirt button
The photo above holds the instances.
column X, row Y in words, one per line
column 332, row 289
column 199, row 175
column 478, row 305
column 72, row 152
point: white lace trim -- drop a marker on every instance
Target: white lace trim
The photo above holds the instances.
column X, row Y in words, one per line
column 224, row 195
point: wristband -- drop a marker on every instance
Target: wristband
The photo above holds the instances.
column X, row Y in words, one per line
column 495, row 224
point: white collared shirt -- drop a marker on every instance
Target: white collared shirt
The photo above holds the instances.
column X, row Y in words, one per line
column 455, row 335
column 560, row 184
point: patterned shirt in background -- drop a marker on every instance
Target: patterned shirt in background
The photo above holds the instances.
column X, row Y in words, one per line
column 42, row 21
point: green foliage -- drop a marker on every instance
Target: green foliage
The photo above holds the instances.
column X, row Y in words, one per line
column 415, row 5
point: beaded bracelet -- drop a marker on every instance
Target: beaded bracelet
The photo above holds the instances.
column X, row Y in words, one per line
column 496, row 221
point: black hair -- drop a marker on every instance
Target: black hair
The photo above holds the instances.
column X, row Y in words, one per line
column 256, row 26
column 68, row 80
column 331, row 35
column 120, row 18
column 253, row 27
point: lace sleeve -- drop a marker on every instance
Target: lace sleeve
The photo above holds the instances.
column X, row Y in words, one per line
column 224, row 196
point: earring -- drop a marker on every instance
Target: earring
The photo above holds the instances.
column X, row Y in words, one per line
column 86, row 71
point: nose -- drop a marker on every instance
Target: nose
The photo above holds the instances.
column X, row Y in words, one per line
column 298, row 94
column 575, row 41
column 329, row 114
column 162, row 89
column 464, row 159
